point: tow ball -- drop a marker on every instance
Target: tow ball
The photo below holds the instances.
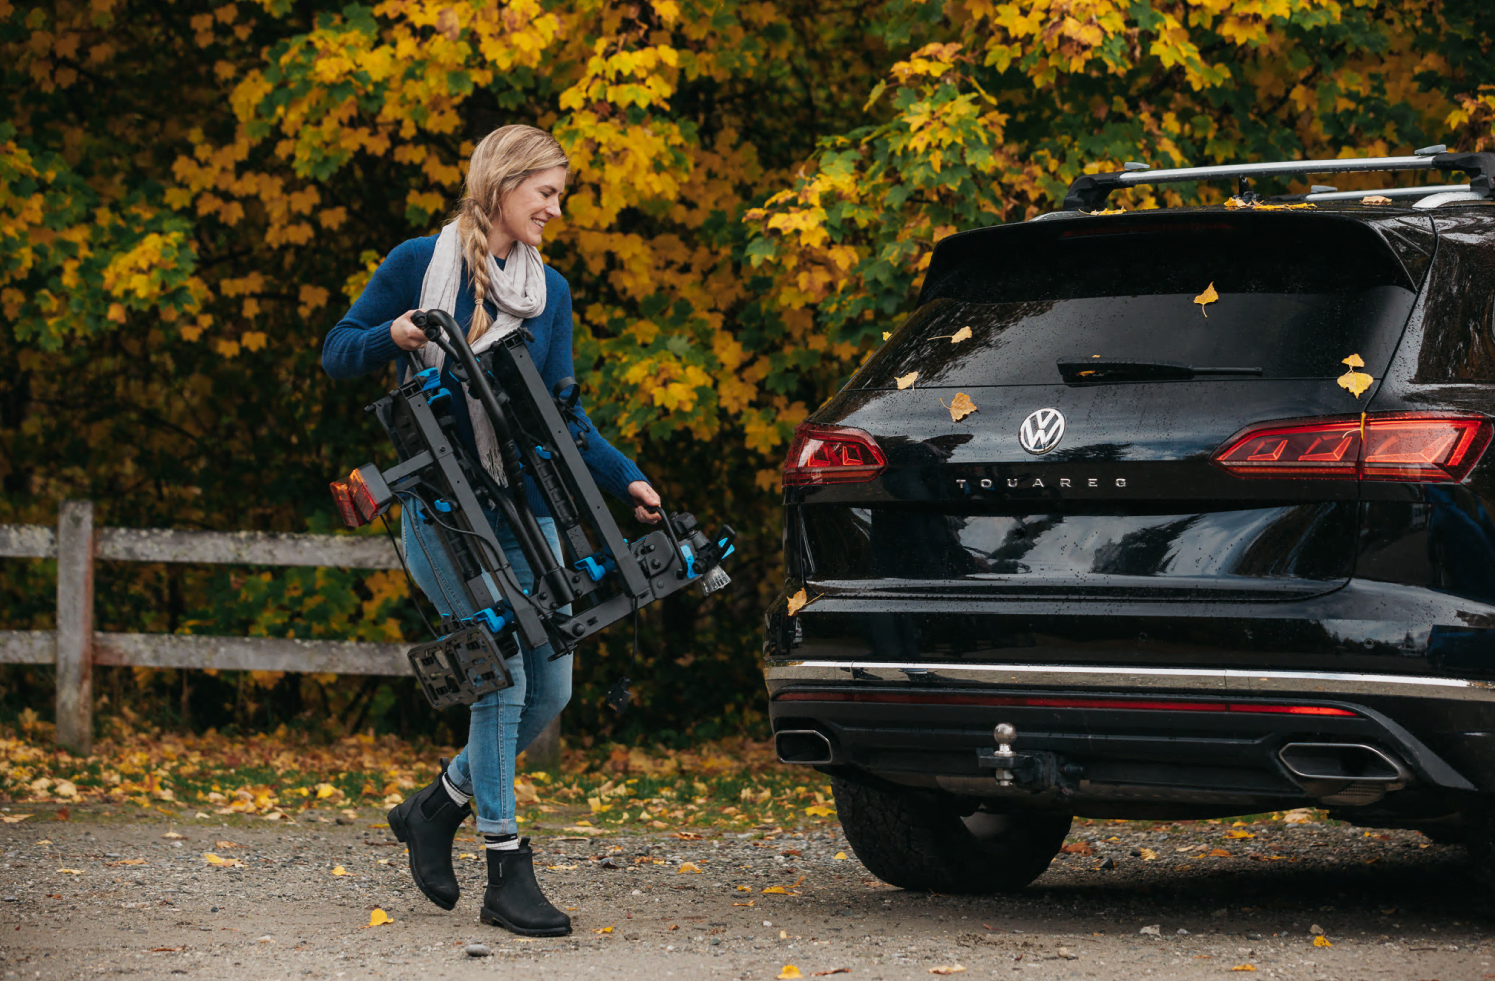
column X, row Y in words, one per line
column 1003, row 758
column 1035, row 771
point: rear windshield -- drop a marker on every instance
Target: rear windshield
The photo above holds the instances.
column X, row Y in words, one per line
column 1296, row 296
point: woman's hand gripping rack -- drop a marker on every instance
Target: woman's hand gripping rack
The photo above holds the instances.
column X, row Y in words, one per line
column 603, row 578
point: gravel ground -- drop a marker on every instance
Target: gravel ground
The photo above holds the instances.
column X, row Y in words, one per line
column 1390, row 905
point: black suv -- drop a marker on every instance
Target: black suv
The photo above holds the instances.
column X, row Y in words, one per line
column 1169, row 514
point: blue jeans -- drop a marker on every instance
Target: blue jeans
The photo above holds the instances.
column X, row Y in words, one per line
column 504, row 722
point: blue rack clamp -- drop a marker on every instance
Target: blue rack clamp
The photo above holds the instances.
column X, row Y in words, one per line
column 690, row 560
column 596, row 565
column 494, row 621
column 543, row 452
column 441, row 506
column 730, row 548
column 430, row 379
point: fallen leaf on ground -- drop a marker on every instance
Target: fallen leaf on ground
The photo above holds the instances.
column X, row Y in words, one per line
column 750, row 902
column 789, row 971
column 1240, row 834
column 820, row 811
column 841, row 857
column 779, row 891
column 1078, row 848
column 341, row 871
column 14, row 818
column 1243, row 967
column 378, row 918
column 228, row 863
column 961, row 406
column 904, row 381
column 603, row 930
column 72, row 871
column 947, row 969
column 1322, row 941
column 1208, row 296
column 686, row 836
column 166, row 950
column 173, row 834
column 1148, row 854
column 227, row 844
column 834, row 970
column 1218, row 853
column 127, row 861
column 688, row 867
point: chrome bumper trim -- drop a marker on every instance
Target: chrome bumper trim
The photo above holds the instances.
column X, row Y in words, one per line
column 1324, row 684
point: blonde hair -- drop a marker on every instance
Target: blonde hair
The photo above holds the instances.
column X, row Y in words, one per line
column 500, row 162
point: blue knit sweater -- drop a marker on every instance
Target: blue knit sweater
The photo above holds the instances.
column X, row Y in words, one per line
column 361, row 343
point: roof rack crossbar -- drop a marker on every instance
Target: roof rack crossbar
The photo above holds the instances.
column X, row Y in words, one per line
column 1089, row 192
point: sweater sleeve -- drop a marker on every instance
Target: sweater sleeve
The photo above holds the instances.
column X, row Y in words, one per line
column 613, row 471
column 361, row 342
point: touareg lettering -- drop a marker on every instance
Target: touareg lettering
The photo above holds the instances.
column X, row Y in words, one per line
column 1037, row 483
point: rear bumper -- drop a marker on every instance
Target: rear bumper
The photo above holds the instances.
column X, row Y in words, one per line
column 1143, row 741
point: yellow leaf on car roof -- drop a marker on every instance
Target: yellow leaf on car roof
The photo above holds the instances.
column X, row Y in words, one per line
column 797, row 602
column 904, row 381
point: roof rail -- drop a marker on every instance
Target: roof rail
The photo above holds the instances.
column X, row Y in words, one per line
column 1089, row 191
column 1421, row 191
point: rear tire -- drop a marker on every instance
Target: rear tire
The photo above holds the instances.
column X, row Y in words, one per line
column 911, row 840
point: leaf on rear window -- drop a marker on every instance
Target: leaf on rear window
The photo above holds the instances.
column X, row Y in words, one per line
column 960, row 406
column 905, row 381
column 1352, row 381
column 1208, row 296
column 797, row 602
column 964, row 334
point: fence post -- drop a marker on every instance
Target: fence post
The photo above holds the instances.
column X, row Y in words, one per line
column 545, row 752
column 75, row 551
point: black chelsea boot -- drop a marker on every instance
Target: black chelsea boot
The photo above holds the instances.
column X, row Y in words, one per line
column 514, row 901
column 426, row 822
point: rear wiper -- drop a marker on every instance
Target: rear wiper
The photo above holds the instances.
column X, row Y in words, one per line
column 1077, row 370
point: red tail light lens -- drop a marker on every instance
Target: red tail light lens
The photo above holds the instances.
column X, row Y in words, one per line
column 1405, row 446
column 343, row 498
column 832, row 455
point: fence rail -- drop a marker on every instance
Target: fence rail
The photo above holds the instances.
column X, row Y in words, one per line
column 75, row 648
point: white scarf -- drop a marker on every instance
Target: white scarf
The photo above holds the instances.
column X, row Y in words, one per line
column 517, row 288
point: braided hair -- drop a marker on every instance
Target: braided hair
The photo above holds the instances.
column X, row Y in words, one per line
column 500, row 162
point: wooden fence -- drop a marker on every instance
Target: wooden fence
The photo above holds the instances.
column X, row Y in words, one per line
column 74, row 647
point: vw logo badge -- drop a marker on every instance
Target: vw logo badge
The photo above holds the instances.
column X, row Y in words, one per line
column 1041, row 431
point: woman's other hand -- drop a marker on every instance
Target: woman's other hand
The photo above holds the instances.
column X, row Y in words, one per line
column 407, row 336
column 645, row 495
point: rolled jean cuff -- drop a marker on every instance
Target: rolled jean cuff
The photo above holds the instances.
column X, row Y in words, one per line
column 506, row 827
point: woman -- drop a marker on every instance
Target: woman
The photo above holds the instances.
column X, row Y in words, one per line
column 484, row 268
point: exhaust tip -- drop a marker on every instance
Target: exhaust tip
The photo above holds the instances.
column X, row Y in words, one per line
column 1342, row 761
column 806, row 747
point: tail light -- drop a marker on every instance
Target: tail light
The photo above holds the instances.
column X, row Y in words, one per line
column 343, row 498
column 362, row 497
column 832, row 455
column 1405, row 446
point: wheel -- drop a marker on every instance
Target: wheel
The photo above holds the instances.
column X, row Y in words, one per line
column 910, row 840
